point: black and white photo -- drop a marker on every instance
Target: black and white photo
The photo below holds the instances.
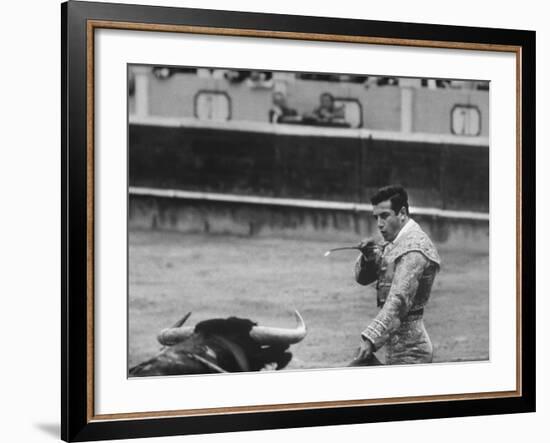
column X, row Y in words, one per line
column 305, row 220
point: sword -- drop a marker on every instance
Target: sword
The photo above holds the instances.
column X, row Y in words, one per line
column 347, row 248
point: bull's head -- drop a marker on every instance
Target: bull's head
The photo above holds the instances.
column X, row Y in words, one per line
column 221, row 345
column 263, row 335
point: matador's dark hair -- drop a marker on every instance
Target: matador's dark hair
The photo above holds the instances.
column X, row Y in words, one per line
column 397, row 196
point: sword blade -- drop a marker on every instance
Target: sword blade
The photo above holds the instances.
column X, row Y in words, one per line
column 347, row 248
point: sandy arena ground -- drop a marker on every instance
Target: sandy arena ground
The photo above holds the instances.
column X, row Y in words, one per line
column 265, row 279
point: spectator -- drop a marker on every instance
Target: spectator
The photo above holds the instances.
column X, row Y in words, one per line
column 280, row 111
column 236, row 77
column 327, row 111
column 260, row 80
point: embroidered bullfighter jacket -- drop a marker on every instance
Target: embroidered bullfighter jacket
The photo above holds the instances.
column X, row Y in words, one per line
column 404, row 270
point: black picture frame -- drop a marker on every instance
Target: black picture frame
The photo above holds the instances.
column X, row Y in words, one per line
column 77, row 419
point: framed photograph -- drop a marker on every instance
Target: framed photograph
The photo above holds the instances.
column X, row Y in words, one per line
column 276, row 221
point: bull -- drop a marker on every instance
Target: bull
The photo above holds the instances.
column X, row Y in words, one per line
column 221, row 345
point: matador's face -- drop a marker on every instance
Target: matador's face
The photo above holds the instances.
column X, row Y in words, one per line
column 388, row 222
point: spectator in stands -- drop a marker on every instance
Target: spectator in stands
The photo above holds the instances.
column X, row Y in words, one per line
column 373, row 80
column 260, row 80
column 327, row 111
column 236, row 77
column 280, row 111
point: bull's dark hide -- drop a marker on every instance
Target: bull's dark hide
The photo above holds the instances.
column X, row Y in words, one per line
column 225, row 326
column 225, row 343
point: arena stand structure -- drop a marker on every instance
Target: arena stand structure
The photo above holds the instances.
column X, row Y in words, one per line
column 204, row 158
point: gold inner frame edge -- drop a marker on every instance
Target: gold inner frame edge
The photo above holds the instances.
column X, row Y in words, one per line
column 92, row 25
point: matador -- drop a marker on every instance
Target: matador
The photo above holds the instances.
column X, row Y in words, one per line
column 404, row 267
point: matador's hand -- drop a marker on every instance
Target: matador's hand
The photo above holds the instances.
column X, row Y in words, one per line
column 368, row 248
column 365, row 350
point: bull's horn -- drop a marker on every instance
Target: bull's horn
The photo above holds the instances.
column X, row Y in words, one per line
column 171, row 336
column 280, row 336
column 175, row 334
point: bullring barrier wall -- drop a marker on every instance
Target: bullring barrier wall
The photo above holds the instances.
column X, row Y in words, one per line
column 262, row 179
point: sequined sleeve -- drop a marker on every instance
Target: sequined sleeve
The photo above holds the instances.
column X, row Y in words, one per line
column 408, row 271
